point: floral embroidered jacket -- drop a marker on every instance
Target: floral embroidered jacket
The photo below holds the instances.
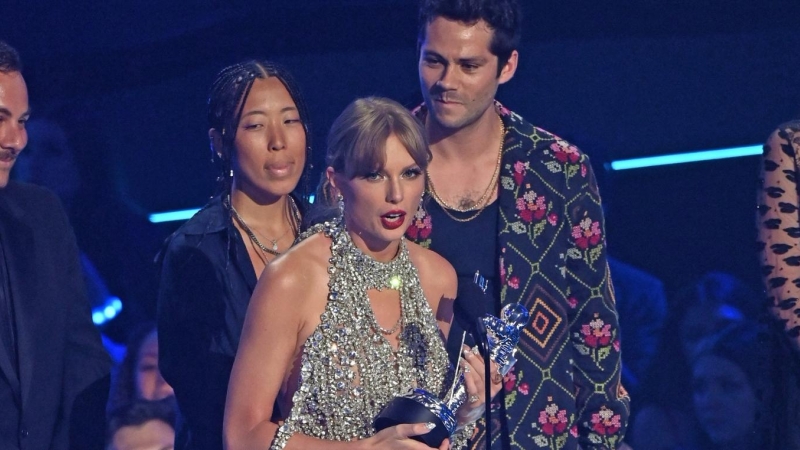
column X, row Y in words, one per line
column 565, row 388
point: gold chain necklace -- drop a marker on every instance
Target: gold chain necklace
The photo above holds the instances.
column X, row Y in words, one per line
column 274, row 250
column 483, row 201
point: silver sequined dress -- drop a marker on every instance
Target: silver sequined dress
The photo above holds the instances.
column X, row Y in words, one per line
column 349, row 371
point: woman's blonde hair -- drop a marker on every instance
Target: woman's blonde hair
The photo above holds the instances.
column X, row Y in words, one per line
column 357, row 140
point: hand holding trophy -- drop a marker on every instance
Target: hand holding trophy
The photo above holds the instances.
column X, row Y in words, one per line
column 502, row 335
column 420, row 406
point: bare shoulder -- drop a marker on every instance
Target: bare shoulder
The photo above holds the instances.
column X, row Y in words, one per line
column 301, row 269
column 433, row 269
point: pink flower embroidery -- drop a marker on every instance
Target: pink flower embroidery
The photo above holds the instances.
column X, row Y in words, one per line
column 519, row 172
column 572, row 301
column 552, row 218
column 421, row 226
column 552, row 419
column 531, row 206
column 565, row 152
column 509, row 381
column 586, row 233
column 523, row 388
column 616, row 344
column 513, row 282
column 596, row 333
column 583, row 170
column 605, row 422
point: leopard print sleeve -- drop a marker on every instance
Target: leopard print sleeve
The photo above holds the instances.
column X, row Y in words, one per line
column 778, row 221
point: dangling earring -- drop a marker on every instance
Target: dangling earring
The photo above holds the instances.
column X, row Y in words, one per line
column 340, row 203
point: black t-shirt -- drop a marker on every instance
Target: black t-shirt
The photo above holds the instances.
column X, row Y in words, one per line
column 469, row 246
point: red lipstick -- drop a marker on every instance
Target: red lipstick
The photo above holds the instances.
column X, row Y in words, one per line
column 393, row 219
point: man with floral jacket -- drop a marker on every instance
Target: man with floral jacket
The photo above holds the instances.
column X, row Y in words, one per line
column 521, row 206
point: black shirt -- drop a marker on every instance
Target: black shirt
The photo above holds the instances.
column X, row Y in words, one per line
column 471, row 246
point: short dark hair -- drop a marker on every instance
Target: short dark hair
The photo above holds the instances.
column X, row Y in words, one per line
column 9, row 59
column 504, row 17
column 140, row 412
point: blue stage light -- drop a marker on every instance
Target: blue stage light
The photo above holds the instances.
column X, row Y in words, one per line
column 622, row 164
column 170, row 216
column 107, row 311
column 186, row 214
column 680, row 158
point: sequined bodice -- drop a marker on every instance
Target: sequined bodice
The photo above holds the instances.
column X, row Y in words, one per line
column 349, row 371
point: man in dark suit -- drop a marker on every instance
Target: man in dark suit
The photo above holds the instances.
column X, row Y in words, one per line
column 53, row 368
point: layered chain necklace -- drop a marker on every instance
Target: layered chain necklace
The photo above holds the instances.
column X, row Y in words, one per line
column 274, row 250
column 373, row 274
column 483, row 201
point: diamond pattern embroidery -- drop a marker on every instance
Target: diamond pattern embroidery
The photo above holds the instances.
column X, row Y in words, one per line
column 545, row 326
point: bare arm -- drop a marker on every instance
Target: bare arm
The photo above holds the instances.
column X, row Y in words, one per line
column 439, row 284
column 266, row 350
column 282, row 313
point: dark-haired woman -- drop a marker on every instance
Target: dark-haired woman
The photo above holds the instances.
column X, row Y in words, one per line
column 209, row 267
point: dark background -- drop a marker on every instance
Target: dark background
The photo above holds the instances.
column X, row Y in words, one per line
column 128, row 82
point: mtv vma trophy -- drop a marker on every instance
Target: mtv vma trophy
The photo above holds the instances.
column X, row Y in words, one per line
column 420, row 406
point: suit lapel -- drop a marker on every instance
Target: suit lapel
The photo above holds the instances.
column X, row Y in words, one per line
column 20, row 258
column 8, row 221
column 509, row 242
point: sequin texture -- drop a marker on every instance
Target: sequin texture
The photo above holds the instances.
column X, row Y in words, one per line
column 349, row 371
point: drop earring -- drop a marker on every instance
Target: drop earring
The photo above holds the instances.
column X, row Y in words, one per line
column 340, row 203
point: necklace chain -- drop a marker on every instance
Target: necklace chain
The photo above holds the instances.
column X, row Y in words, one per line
column 483, row 201
column 376, row 274
column 274, row 250
column 396, row 326
column 274, row 241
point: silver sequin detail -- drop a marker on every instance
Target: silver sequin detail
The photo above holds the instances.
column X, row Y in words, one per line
column 349, row 371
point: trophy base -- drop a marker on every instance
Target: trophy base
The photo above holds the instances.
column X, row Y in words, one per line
column 405, row 410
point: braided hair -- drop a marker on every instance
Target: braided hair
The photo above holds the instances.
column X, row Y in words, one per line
column 226, row 101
